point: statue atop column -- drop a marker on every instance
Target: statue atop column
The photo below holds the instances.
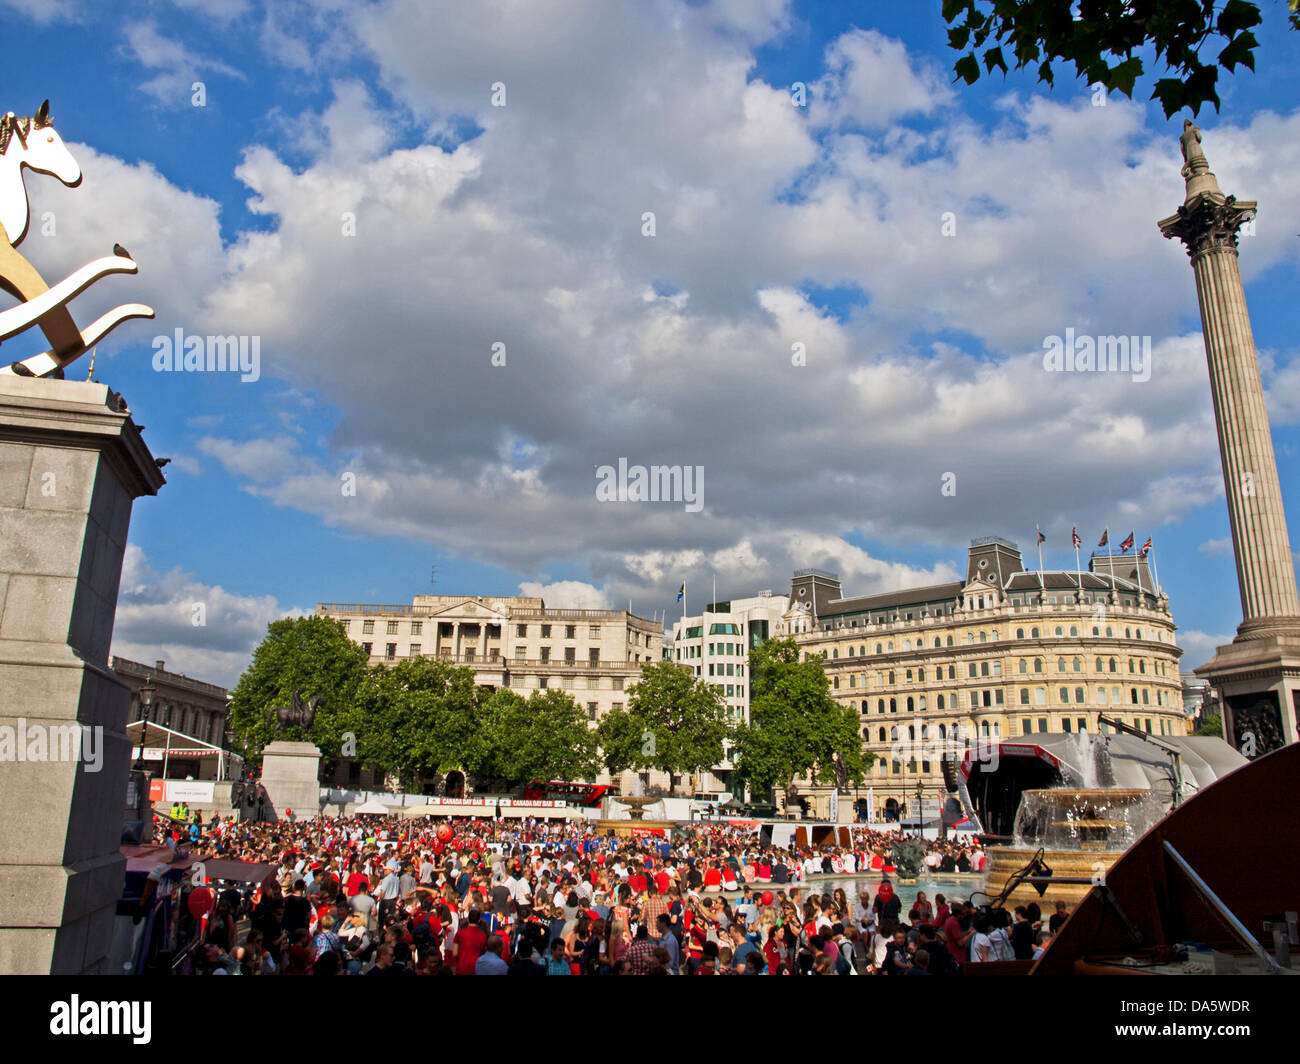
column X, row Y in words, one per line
column 1194, row 160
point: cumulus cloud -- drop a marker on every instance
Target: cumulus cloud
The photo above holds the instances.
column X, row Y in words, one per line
column 157, row 615
column 567, row 595
column 678, row 348
column 177, row 67
column 1198, row 648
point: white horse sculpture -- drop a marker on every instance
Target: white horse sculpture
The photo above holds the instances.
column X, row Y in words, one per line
column 31, row 142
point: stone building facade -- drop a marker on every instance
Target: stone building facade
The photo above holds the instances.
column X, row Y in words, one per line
column 1003, row 654
column 514, row 642
column 191, row 707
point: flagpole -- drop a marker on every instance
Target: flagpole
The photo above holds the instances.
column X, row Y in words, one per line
column 1155, row 573
column 1141, row 590
column 1111, row 559
column 1039, row 537
column 1078, row 566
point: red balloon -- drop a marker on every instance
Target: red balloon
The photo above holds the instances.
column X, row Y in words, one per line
column 444, row 832
column 201, row 902
column 886, row 891
column 767, row 898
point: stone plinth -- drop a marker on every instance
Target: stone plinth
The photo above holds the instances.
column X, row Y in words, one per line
column 290, row 774
column 71, row 464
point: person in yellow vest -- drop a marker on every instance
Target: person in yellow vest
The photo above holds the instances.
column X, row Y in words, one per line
column 176, row 810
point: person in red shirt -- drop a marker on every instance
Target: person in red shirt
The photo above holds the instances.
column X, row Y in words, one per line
column 712, row 877
column 663, row 881
column 468, row 944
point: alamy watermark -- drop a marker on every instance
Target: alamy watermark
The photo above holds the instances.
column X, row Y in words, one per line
column 953, row 745
column 208, row 354
column 638, row 483
column 1098, row 354
column 53, row 742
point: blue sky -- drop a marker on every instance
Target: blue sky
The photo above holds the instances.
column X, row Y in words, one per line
column 522, row 225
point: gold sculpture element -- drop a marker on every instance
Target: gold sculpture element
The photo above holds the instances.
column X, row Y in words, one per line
column 31, row 142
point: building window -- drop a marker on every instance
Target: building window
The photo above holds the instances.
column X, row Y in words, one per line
column 1065, row 725
column 391, row 651
column 591, row 710
column 392, row 628
column 415, row 650
column 546, row 653
column 1042, row 725
column 1026, row 725
column 1024, row 696
column 1064, row 695
column 939, row 702
column 542, row 681
column 570, row 631
column 521, row 631
column 367, row 627
column 546, row 631
column 417, row 628
column 1038, row 664
column 346, row 625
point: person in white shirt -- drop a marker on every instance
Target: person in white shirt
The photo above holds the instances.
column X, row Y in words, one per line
column 982, row 949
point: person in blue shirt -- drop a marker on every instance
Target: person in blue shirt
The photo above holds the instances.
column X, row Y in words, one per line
column 669, row 942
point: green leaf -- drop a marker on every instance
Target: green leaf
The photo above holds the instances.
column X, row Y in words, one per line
column 1239, row 50
column 953, row 8
column 967, row 68
column 1171, row 94
column 992, row 58
column 1123, row 76
column 1238, row 15
column 957, row 37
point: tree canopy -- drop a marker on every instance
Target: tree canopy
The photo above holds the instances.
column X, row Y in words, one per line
column 795, row 728
column 1101, row 39
column 673, row 723
column 312, row 654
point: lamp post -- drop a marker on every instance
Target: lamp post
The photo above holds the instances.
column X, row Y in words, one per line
column 920, row 811
column 146, row 694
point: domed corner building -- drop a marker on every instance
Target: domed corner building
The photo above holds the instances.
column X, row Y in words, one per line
column 1005, row 654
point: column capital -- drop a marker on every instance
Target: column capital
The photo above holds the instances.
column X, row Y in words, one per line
column 1207, row 222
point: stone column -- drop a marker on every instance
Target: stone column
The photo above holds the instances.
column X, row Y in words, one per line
column 1259, row 673
column 71, row 464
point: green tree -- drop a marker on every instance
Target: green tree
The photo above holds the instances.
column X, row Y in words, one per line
column 1212, row 725
column 314, row 655
column 1188, row 37
column 543, row 737
column 620, row 741
column 675, row 724
column 795, row 728
column 421, row 716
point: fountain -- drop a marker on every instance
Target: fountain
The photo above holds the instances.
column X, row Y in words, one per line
column 634, row 822
column 1083, row 826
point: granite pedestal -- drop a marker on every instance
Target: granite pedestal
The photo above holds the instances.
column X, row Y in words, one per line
column 72, row 462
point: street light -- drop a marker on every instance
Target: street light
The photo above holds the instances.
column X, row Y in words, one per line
column 146, row 694
column 920, row 811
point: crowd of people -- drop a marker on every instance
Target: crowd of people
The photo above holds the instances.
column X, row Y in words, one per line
column 381, row 896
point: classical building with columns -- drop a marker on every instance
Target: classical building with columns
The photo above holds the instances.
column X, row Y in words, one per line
column 191, row 707
column 514, row 642
column 1002, row 654
column 1257, row 675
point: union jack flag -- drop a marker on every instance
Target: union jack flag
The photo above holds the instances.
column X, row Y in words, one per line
column 1074, row 535
column 1127, row 544
column 1145, row 547
column 1105, row 538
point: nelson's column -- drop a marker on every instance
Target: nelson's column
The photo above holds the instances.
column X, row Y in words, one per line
column 1258, row 673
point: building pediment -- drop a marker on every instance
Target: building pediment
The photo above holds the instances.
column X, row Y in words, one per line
column 469, row 607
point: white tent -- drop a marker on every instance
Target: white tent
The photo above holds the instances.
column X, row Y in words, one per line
column 373, row 807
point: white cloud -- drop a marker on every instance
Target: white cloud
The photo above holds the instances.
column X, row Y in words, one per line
column 1198, row 648
column 1216, row 547
column 567, row 595
column 156, row 615
column 178, row 68
column 872, row 81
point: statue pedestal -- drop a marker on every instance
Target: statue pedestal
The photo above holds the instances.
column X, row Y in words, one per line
column 291, row 776
column 71, row 465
